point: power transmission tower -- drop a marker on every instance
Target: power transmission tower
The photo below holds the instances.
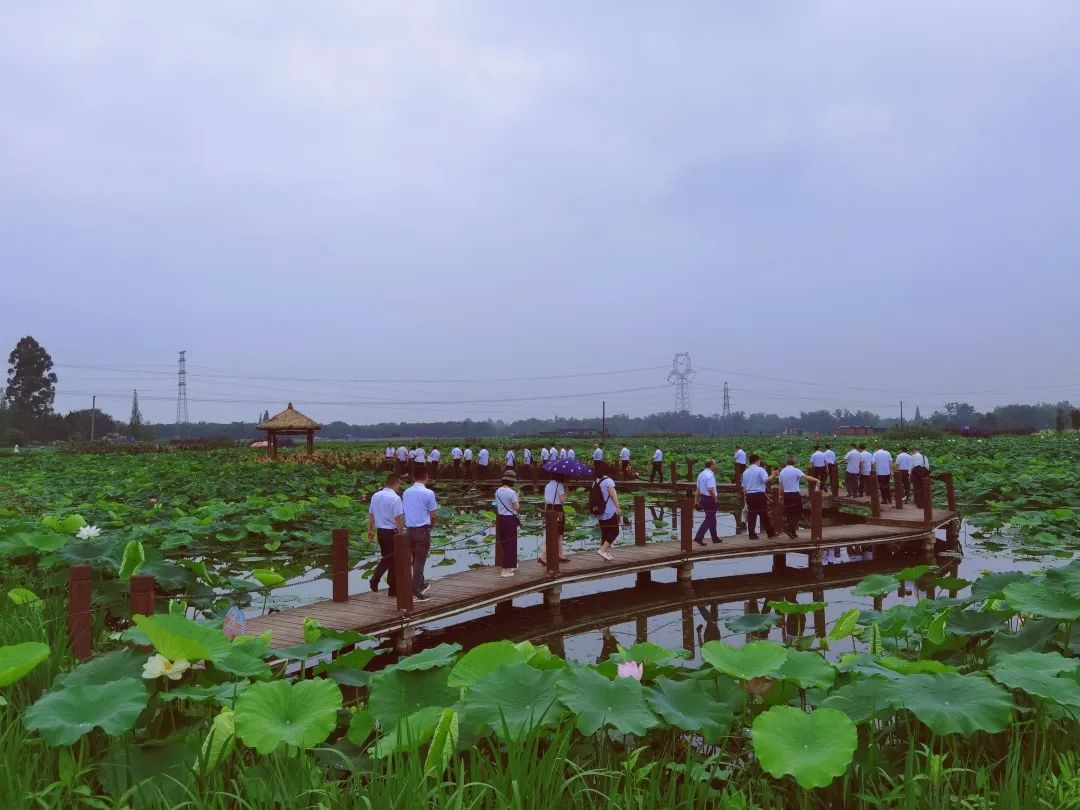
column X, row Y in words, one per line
column 726, row 414
column 181, row 393
column 681, row 375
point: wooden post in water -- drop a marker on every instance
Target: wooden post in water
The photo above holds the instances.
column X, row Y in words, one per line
column 403, row 583
column 815, row 513
column 875, row 495
column 817, row 564
column 688, row 628
column 552, row 597
column 552, row 547
column 339, row 564
column 79, row 586
column 927, row 502
column 879, row 603
column 819, row 615
column 643, row 577
column 641, row 627
column 779, row 563
column 142, row 595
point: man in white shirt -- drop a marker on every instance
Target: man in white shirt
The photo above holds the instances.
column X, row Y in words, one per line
column 388, row 458
column 554, row 500
column 865, row 470
column 527, row 459
column 624, row 462
column 419, row 506
column 740, row 464
column 434, row 457
column 385, row 521
column 562, row 453
column 455, row 457
column 597, row 455
column 853, row 460
column 705, row 498
column 544, row 456
column 402, row 459
column 904, row 463
column 754, row 481
column 482, row 459
column 830, row 466
column 791, row 478
column 570, row 453
column 819, row 467
column 920, row 475
column 882, row 459
column 467, row 460
column 419, row 461
column 657, row 466
column 511, row 458
column 609, row 518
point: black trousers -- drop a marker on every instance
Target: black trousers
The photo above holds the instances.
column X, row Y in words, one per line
column 919, row 477
column 851, row 482
column 468, row 468
column 433, row 468
column 757, row 506
column 386, row 558
column 625, row 465
column 657, row 472
column 905, row 483
column 822, row 475
column 883, row 485
column 792, row 511
column 739, row 470
column 457, row 468
column 708, row 503
column 833, row 475
column 863, row 484
column 420, row 540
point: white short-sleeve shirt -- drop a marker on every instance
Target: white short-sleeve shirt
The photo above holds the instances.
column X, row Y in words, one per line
column 830, row 457
column 904, row 462
column 483, row 458
column 402, row 453
column 552, row 491
column 658, row 455
column 790, row 478
column 607, row 487
column 418, row 503
column 598, row 454
column 563, row 454
column 570, row 453
column 385, row 508
column 389, row 452
column 455, row 453
column 435, row 455
column 510, row 458
column 817, row 459
column 527, row 455
column 706, row 481
column 854, row 460
column 624, row 454
column 544, row 455
column 883, row 462
column 740, row 456
column 468, row 454
column 419, row 455
column 754, row 479
column 867, row 462
column 504, row 500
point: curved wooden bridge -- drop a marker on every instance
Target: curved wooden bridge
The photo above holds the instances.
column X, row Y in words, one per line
column 378, row 614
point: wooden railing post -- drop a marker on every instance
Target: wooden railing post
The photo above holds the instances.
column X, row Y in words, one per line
column 674, row 471
column 552, row 548
column 403, row 583
column 928, row 503
column 898, row 487
column 950, row 490
column 686, row 536
column 875, row 494
column 639, row 520
column 834, row 480
column 815, row 513
column 142, row 594
column 690, row 471
column 79, row 586
column 339, row 564
column 777, row 508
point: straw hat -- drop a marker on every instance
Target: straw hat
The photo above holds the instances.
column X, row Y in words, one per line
column 509, row 476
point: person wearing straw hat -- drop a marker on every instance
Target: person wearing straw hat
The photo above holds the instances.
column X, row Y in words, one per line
column 554, row 501
column 507, row 506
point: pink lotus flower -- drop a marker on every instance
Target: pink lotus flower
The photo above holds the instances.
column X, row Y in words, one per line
column 630, row 669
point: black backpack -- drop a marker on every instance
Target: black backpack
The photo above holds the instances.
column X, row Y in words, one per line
column 597, row 499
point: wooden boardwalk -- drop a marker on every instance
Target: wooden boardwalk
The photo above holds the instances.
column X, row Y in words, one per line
column 378, row 614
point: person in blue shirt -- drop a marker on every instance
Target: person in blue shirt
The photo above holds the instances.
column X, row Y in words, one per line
column 754, row 482
column 419, row 506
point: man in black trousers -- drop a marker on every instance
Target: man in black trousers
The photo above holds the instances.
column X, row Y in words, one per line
column 754, row 482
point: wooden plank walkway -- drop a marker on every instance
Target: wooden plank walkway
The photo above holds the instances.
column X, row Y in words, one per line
column 377, row 614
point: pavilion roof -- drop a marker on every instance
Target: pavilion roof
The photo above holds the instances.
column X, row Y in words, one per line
column 289, row 419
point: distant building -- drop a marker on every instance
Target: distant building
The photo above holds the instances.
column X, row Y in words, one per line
column 858, row 430
column 574, row 432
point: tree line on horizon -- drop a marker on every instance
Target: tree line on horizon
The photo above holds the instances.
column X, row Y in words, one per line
column 26, row 414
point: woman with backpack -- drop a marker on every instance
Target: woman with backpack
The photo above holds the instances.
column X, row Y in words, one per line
column 507, row 506
column 554, row 498
column 604, row 503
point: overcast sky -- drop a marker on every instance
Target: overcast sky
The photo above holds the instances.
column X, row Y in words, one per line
column 871, row 195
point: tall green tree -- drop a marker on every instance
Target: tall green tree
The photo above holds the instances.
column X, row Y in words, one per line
column 31, row 385
column 135, row 423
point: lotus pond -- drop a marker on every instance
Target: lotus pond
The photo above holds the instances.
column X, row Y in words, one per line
column 853, row 693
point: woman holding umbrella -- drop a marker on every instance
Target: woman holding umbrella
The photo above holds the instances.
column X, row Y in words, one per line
column 554, row 499
column 507, row 506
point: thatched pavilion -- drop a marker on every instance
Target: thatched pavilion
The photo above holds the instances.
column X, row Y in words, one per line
column 290, row 422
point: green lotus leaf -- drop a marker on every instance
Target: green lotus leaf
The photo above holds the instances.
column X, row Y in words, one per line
column 300, row 714
column 267, row 578
column 176, row 637
column 104, row 669
column 845, row 625
column 220, row 741
column 514, row 699
column 65, row 525
column 23, row 596
column 245, row 660
column 752, row 622
column 752, row 660
column 302, row 652
column 687, row 705
column 600, row 702
column 1034, row 635
column 540, row 657
column 868, row 666
column 361, row 725
column 785, row 608
column 876, row 585
column 133, row 559
column 17, row 660
column 63, row 716
column 815, row 748
column 44, row 541
column 483, row 659
column 862, row 700
column 395, row 694
column 223, row 694
column 954, row 704
column 1066, row 578
column 950, row 583
column 410, row 733
column 430, row 658
column 103, row 553
column 992, row 586
column 808, row 669
column 973, row 622
column 1037, row 674
column 1038, row 599
column 355, row 660
column 444, row 742
column 647, row 652
column 906, row 666
column 912, row 573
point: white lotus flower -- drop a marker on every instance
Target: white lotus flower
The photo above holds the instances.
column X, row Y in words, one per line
column 88, row 532
column 158, row 665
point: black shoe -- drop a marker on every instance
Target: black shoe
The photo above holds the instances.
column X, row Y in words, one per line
column 374, row 583
column 700, row 542
column 752, row 536
column 391, row 594
column 425, row 590
column 717, row 541
column 792, row 535
column 421, row 598
column 773, row 536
